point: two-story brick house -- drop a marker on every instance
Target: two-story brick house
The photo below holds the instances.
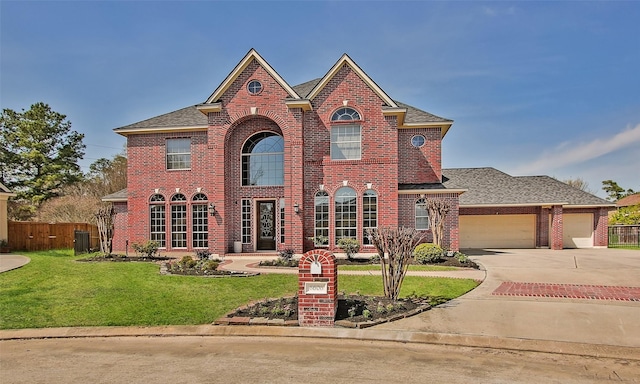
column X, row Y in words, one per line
column 264, row 166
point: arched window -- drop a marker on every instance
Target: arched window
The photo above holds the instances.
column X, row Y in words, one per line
column 369, row 214
column 346, row 139
column 422, row 215
column 321, row 230
column 345, row 213
column 345, row 114
column 263, row 160
column 178, row 221
column 199, row 221
column 157, row 220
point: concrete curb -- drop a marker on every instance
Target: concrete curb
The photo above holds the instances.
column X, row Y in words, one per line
column 473, row 341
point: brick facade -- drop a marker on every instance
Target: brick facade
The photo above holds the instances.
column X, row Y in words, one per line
column 233, row 115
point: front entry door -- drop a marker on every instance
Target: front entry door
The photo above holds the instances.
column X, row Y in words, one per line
column 266, row 225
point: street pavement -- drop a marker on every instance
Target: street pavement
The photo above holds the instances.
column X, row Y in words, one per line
column 494, row 337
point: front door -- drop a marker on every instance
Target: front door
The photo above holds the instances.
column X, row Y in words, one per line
column 266, row 225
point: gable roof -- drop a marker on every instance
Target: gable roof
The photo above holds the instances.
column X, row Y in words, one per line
column 195, row 117
column 491, row 187
column 242, row 65
column 346, row 60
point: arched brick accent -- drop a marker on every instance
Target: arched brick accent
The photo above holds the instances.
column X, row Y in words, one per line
column 317, row 308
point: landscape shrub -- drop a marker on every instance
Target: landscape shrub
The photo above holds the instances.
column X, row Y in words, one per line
column 427, row 253
column 349, row 245
column 148, row 249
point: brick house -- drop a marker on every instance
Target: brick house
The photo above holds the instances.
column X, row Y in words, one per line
column 262, row 166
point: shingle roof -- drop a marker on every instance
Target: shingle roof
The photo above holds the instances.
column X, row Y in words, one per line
column 192, row 117
column 488, row 186
column 629, row 200
column 415, row 115
column 185, row 117
column 121, row 195
column 305, row 88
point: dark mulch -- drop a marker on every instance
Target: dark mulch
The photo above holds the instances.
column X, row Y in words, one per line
column 445, row 261
column 123, row 258
column 351, row 308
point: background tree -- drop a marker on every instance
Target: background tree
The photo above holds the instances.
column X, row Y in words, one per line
column 80, row 201
column 579, row 184
column 614, row 191
column 395, row 247
column 39, row 155
column 626, row 216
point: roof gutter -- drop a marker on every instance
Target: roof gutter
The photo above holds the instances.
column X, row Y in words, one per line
column 430, row 191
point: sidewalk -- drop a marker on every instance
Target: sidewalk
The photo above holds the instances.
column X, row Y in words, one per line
column 481, row 318
column 247, row 264
column 9, row 262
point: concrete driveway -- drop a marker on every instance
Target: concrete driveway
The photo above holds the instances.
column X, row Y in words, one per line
column 533, row 314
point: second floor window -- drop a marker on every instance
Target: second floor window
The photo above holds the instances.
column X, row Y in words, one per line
column 346, row 139
column 179, row 153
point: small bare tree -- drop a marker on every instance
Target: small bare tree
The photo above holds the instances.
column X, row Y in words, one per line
column 438, row 210
column 104, row 219
column 395, row 248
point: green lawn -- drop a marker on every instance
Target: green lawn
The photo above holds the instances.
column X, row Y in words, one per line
column 53, row 290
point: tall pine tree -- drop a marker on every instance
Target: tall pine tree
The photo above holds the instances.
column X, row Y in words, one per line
column 39, row 155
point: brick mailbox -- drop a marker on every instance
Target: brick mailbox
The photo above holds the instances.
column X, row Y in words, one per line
column 317, row 294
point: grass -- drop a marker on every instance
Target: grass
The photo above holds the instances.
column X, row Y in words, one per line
column 376, row 267
column 54, row 290
column 631, row 247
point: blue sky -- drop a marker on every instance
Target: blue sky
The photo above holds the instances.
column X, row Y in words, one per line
column 533, row 87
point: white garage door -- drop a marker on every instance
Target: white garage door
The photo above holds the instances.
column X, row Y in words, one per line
column 577, row 230
column 497, row 231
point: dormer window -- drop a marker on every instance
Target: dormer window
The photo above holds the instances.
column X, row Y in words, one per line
column 346, row 137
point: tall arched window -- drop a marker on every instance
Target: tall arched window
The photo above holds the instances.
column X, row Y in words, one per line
column 263, row 160
column 178, row 221
column 346, row 141
column 199, row 221
column 369, row 214
column 157, row 220
column 345, row 213
column 321, row 229
column 422, row 215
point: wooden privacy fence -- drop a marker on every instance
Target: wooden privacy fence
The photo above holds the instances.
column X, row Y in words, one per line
column 33, row 236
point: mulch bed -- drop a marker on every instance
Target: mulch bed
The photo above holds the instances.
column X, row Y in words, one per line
column 445, row 262
column 350, row 312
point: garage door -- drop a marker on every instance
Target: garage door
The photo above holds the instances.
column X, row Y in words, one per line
column 577, row 230
column 497, row 231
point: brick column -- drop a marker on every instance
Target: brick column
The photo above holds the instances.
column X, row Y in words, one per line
column 317, row 289
column 556, row 227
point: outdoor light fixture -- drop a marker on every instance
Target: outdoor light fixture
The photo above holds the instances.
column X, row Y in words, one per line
column 296, row 208
column 212, row 209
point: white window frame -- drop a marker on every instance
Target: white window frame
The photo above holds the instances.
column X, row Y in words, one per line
column 176, row 157
column 421, row 215
column 343, row 144
column 367, row 221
